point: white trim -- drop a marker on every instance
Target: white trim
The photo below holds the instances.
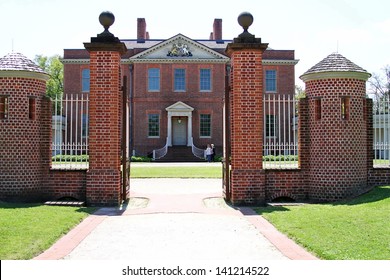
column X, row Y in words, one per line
column 280, row 61
column 24, row 74
column 178, row 60
column 334, row 75
column 179, row 109
column 75, row 61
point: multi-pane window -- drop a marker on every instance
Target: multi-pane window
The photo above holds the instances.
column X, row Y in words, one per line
column 270, row 80
column 154, row 79
column 84, row 125
column 205, row 125
column 205, row 79
column 153, row 125
column 3, row 107
column 271, row 126
column 180, row 79
column 85, row 80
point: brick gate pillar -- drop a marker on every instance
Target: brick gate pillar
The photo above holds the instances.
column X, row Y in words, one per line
column 247, row 178
column 104, row 176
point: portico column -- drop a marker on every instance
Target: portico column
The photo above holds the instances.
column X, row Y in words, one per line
column 189, row 132
column 169, row 129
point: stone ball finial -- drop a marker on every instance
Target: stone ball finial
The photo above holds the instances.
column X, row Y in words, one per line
column 106, row 19
column 245, row 20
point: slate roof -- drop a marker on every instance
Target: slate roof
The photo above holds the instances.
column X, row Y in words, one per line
column 18, row 62
column 335, row 62
column 134, row 44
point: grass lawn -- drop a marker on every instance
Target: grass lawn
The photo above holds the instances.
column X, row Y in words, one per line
column 28, row 229
column 357, row 229
column 139, row 171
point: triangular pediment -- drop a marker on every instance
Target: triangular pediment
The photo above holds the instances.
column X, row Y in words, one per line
column 179, row 107
column 179, row 48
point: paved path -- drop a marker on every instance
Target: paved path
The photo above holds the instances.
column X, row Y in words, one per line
column 175, row 219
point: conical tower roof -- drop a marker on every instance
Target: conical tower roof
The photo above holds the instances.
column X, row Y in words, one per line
column 17, row 65
column 335, row 66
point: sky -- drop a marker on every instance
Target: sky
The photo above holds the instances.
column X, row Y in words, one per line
column 357, row 29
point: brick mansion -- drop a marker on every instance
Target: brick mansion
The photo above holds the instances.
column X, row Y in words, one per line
column 176, row 87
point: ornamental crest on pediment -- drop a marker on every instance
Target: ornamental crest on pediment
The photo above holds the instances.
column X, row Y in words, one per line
column 179, row 49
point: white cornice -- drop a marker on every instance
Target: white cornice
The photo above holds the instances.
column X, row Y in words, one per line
column 335, row 75
column 75, row 61
column 24, row 74
column 280, row 61
column 179, row 60
column 182, row 60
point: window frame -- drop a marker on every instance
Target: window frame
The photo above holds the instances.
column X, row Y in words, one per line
column 85, row 79
column 202, row 81
column 179, row 85
column 201, row 135
column 158, row 125
column 272, row 79
column 271, row 132
column 155, row 80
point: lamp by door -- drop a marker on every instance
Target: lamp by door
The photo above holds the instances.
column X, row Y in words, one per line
column 179, row 120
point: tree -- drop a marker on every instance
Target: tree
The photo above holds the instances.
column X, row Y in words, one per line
column 380, row 83
column 53, row 66
column 299, row 92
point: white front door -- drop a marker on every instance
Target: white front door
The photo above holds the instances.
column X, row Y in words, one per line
column 179, row 131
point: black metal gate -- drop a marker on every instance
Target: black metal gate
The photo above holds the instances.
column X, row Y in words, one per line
column 125, row 154
column 226, row 146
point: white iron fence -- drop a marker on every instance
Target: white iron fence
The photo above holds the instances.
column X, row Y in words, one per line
column 280, row 138
column 381, row 132
column 70, row 132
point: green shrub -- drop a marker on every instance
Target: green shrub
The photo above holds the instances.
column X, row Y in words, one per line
column 140, row 159
column 71, row 158
column 281, row 158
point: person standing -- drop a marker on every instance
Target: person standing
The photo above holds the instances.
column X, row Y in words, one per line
column 213, row 154
column 209, row 153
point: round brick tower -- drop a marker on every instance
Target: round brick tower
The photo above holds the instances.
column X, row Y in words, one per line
column 23, row 135
column 336, row 94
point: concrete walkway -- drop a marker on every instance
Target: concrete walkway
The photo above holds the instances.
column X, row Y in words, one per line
column 175, row 219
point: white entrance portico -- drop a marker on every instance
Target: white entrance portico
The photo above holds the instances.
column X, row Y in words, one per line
column 176, row 112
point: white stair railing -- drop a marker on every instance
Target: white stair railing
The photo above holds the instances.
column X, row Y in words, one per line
column 199, row 153
column 160, row 153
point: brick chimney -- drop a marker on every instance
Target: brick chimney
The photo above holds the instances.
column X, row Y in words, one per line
column 217, row 29
column 142, row 35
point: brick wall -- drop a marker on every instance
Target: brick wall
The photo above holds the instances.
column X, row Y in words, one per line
column 66, row 184
column 21, row 149
column 286, row 183
column 155, row 102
